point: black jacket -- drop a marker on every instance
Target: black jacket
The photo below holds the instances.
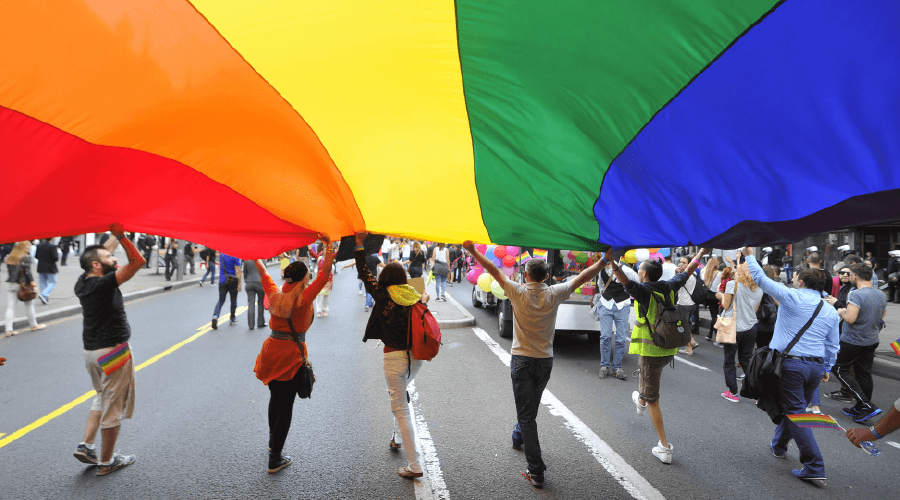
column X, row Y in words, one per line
column 46, row 256
column 389, row 321
column 14, row 271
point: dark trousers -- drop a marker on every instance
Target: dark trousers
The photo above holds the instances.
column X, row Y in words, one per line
column 281, row 410
column 798, row 381
column 171, row 265
column 65, row 253
column 255, row 303
column 223, row 291
column 529, row 379
column 147, row 258
column 189, row 261
column 746, row 341
column 893, row 291
column 713, row 305
column 860, row 358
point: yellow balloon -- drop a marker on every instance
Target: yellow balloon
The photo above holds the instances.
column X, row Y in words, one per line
column 629, row 257
column 484, row 282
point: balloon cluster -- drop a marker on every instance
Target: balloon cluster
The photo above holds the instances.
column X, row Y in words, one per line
column 504, row 257
column 642, row 254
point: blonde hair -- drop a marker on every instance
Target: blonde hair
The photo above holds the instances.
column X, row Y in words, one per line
column 743, row 276
column 18, row 251
column 709, row 274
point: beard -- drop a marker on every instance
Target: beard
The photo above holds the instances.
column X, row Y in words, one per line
column 108, row 268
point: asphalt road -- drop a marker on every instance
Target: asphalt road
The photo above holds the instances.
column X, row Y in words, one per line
column 199, row 429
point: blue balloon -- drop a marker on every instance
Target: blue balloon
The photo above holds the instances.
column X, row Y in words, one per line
column 665, row 251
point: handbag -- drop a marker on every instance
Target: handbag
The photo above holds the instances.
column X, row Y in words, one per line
column 726, row 328
column 771, row 365
column 26, row 292
column 595, row 308
column 307, row 376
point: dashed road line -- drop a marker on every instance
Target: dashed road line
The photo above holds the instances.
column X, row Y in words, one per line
column 635, row 484
column 892, row 443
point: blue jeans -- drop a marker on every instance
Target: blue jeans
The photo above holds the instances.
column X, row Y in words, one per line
column 223, row 291
column 47, row 283
column 211, row 272
column 529, row 378
column 798, row 381
column 607, row 318
column 440, row 284
column 789, row 273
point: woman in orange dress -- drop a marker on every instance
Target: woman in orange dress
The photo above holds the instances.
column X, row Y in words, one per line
column 279, row 361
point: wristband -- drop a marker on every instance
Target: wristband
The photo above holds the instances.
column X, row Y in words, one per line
column 360, row 247
column 603, row 260
column 695, row 261
column 877, row 435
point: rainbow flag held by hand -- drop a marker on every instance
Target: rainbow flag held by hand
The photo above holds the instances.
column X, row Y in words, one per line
column 896, row 346
column 540, row 254
column 115, row 359
column 525, row 257
column 815, row 421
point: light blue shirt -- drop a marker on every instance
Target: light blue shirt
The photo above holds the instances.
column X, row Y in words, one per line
column 797, row 305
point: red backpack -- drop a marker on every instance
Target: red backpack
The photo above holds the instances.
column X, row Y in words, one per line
column 424, row 333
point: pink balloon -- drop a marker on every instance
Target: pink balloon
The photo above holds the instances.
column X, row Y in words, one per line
column 514, row 251
column 509, row 261
column 481, row 248
column 473, row 274
column 507, row 271
column 499, row 251
column 571, row 255
column 657, row 256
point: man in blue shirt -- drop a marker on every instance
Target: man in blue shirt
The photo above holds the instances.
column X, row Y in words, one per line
column 809, row 361
column 229, row 284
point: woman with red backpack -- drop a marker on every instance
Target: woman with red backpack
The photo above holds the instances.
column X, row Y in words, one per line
column 389, row 323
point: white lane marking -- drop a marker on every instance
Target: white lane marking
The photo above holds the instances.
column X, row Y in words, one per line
column 615, row 465
column 432, row 485
column 895, row 445
column 692, row 364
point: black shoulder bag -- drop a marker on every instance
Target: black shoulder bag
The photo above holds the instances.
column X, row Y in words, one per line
column 771, row 364
column 307, row 376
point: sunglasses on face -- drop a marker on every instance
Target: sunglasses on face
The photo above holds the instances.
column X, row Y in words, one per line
column 845, row 273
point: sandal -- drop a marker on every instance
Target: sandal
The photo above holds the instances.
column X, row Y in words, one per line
column 695, row 345
column 10, row 333
column 38, row 327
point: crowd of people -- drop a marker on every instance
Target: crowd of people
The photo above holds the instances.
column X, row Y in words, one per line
column 838, row 320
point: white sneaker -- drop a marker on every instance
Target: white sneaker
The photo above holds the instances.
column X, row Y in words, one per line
column 360, row 292
column 662, row 453
column 636, row 397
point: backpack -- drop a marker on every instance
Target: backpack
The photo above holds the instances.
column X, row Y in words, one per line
column 767, row 312
column 424, row 333
column 700, row 290
column 672, row 327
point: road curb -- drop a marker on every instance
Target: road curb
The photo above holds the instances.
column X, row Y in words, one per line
column 65, row 312
column 468, row 321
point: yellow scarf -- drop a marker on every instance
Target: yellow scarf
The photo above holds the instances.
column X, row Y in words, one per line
column 404, row 295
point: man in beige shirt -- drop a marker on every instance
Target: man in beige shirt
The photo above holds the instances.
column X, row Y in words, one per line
column 534, row 325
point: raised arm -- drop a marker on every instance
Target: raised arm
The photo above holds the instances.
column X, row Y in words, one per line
column 778, row 291
column 485, row 262
column 135, row 259
column 589, row 273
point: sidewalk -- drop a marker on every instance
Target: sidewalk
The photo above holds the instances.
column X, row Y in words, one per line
column 64, row 303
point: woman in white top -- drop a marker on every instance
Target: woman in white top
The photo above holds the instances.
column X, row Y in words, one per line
column 440, row 266
column 742, row 296
column 712, row 277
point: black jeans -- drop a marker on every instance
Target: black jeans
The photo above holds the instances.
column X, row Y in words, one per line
column 171, row 265
column 223, row 291
column 529, row 379
column 713, row 305
column 746, row 341
column 860, row 357
column 281, row 411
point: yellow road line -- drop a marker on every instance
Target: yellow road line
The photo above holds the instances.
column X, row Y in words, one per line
column 84, row 397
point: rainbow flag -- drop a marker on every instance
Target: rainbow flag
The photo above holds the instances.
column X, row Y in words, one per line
column 525, row 257
column 115, row 359
column 540, row 254
column 896, row 346
column 814, row 421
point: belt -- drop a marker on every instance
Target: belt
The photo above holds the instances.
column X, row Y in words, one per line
column 287, row 336
column 814, row 359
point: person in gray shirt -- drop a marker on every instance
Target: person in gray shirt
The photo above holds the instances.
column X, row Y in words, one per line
column 255, row 295
column 742, row 296
column 863, row 320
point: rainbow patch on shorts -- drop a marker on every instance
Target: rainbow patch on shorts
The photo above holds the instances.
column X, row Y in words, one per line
column 115, row 359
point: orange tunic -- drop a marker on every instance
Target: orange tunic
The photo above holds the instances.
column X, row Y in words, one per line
column 280, row 359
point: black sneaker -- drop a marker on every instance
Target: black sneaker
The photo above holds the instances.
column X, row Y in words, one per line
column 278, row 462
column 119, row 461
column 536, row 479
column 866, row 412
column 851, row 412
column 215, row 323
column 838, row 396
column 83, row 454
column 232, row 322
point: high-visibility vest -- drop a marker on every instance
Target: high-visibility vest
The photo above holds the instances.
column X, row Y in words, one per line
column 641, row 340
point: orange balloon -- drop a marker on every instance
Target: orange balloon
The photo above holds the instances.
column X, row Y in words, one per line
column 653, row 250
